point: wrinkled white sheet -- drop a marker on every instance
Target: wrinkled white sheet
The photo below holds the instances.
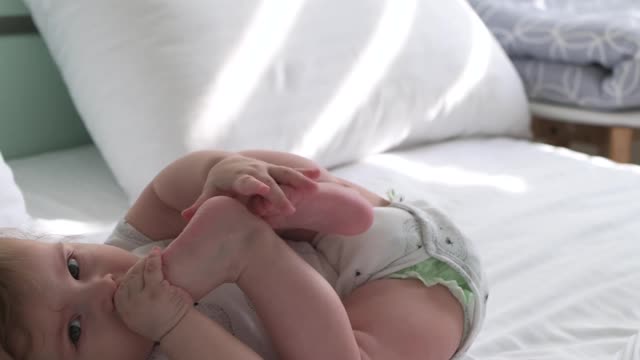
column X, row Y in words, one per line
column 70, row 192
column 12, row 209
column 557, row 232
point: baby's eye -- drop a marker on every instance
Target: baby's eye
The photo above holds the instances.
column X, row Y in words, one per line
column 75, row 331
column 74, row 268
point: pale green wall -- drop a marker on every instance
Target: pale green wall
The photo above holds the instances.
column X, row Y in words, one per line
column 36, row 113
column 12, row 7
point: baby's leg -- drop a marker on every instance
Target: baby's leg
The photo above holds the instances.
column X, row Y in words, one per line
column 403, row 319
column 302, row 314
column 300, row 311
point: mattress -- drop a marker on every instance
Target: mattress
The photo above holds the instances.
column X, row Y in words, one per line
column 585, row 116
column 557, row 232
column 70, row 192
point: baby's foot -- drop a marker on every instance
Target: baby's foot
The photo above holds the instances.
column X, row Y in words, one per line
column 332, row 209
column 214, row 247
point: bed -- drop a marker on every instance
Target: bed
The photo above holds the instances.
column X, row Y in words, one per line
column 556, row 230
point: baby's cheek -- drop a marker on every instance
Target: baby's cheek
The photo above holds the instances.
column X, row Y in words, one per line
column 128, row 259
column 112, row 259
column 19, row 342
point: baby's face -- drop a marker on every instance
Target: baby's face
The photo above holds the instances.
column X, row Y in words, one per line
column 70, row 314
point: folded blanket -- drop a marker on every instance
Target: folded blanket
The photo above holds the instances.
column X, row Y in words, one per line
column 577, row 52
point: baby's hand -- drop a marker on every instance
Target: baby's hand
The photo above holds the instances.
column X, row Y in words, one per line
column 147, row 303
column 246, row 178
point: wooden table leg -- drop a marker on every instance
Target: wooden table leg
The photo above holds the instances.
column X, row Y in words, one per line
column 551, row 132
column 620, row 140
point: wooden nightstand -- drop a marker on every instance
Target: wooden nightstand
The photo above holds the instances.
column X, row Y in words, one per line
column 611, row 132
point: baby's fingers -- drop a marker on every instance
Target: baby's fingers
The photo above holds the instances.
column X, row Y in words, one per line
column 277, row 197
column 301, row 179
column 248, row 185
column 133, row 281
column 311, row 173
column 153, row 268
column 129, row 286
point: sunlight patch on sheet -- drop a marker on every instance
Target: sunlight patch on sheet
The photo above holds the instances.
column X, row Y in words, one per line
column 448, row 175
column 243, row 70
column 564, row 152
column 595, row 160
column 474, row 71
column 386, row 43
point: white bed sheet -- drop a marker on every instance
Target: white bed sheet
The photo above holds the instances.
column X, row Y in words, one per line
column 557, row 232
column 70, row 192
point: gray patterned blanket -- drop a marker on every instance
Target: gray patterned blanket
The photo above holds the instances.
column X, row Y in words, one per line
column 577, row 52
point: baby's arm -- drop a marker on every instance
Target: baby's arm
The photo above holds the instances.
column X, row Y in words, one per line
column 198, row 337
column 153, row 308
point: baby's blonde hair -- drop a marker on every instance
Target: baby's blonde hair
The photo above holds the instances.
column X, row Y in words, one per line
column 12, row 279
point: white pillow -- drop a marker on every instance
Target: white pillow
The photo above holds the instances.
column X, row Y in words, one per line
column 330, row 79
column 13, row 212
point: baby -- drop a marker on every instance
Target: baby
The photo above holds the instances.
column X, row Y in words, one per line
column 360, row 278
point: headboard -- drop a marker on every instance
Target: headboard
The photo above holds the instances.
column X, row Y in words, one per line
column 36, row 112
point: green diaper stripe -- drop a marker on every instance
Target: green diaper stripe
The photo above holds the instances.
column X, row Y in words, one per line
column 432, row 272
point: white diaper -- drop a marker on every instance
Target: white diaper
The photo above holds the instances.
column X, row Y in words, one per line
column 403, row 235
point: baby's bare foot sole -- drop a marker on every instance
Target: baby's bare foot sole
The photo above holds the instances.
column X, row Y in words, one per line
column 332, row 209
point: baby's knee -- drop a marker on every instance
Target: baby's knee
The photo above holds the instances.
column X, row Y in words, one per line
column 403, row 319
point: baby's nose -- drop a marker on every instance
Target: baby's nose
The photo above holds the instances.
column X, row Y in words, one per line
column 107, row 286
